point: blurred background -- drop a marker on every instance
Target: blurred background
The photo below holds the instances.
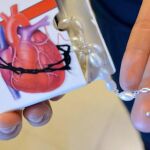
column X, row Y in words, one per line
column 90, row 118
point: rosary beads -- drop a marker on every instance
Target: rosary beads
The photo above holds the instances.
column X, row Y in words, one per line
column 91, row 57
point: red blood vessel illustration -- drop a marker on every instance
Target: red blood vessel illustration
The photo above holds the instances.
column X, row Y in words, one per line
column 30, row 48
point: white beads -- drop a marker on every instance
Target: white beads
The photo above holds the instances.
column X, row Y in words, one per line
column 95, row 60
column 97, row 48
column 82, row 59
column 144, row 90
column 78, row 42
column 147, row 114
column 63, row 24
column 111, row 85
column 126, row 96
column 73, row 22
column 104, row 74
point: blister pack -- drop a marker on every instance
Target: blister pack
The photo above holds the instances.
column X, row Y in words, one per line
column 79, row 20
column 51, row 47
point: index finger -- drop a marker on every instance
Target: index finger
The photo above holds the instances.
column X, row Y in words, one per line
column 137, row 51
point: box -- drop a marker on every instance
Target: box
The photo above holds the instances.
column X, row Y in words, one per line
column 37, row 61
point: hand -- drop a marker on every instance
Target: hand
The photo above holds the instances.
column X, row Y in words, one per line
column 135, row 69
column 36, row 115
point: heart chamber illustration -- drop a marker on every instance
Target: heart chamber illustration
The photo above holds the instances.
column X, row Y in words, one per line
column 29, row 50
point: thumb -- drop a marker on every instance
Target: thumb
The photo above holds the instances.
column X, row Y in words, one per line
column 135, row 69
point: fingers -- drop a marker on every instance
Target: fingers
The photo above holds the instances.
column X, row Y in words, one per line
column 142, row 104
column 57, row 98
column 39, row 114
column 10, row 125
column 137, row 51
column 138, row 115
column 135, row 68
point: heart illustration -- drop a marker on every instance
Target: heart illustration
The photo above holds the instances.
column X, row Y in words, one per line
column 29, row 48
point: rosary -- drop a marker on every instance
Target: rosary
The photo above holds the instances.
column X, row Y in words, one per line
column 92, row 55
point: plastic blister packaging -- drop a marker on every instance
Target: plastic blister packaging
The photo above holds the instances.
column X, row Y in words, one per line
column 78, row 18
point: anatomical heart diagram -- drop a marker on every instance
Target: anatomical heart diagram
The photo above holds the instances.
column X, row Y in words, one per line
column 37, row 60
column 29, row 60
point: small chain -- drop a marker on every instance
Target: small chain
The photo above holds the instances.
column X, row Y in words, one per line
column 144, row 90
column 130, row 95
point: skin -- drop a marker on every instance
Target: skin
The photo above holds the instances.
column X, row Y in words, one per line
column 135, row 69
column 134, row 75
column 37, row 115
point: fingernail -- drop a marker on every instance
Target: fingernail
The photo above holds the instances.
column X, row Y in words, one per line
column 39, row 121
column 147, row 114
column 35, row 118
column 8, row 130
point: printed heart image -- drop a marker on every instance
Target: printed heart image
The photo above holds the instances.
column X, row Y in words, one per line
column 29, row 56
